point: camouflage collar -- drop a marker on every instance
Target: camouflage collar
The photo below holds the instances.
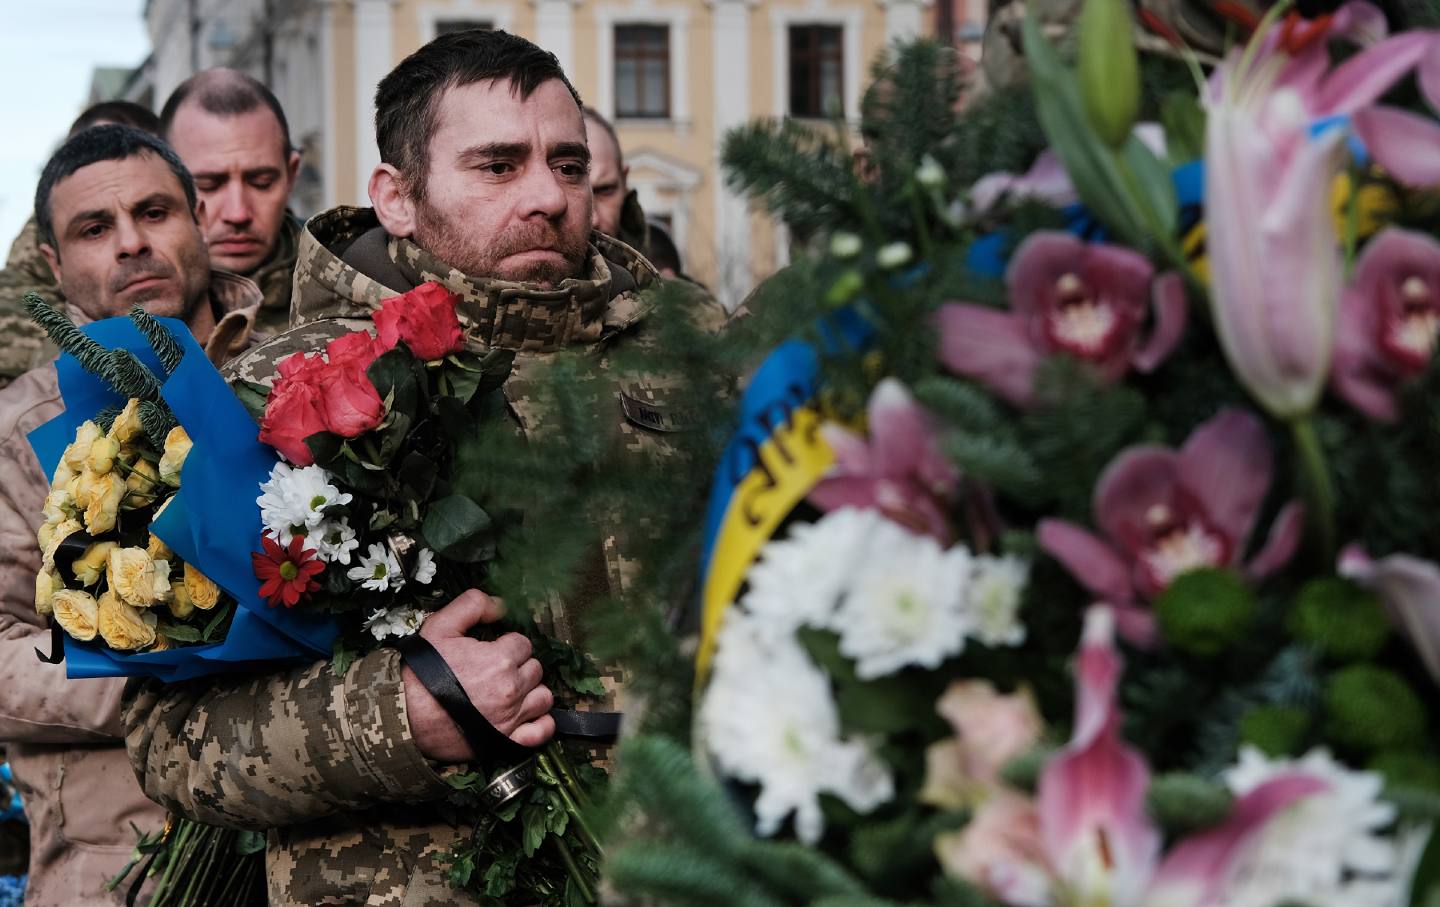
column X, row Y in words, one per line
column 275, row 275
column 336, row 279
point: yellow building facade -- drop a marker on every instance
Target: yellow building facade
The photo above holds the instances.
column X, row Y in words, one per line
column 716, row 64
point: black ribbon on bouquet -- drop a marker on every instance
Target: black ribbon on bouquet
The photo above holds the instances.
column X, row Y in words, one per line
column 484, row 738
column 66, row 554
column 57, row 645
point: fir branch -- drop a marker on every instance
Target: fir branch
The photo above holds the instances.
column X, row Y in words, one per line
column 680, row 874
column 161, row 340
column 132, row 378
column 157, row 421
column 92, row 357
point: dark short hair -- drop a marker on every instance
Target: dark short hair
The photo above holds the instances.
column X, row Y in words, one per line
column 126, row 113
column 407, row 101
column 598, row 118
column 225, row 93
column 91, row 146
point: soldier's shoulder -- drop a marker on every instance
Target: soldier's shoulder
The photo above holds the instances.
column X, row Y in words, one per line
column 27, row 402
column 258, row 364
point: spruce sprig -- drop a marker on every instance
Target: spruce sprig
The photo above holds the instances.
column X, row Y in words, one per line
column 92, row 357
column 161, row 340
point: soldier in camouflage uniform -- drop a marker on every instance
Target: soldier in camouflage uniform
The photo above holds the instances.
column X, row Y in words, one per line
column 341, row 770
column 23, row 346
column 232, row 133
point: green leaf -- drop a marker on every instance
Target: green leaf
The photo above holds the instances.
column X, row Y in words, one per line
column 1425, row 889
column 1184, row 122
column 178, row 632
column 249, row 842
column 1154, row 190
column 533, row 827
column 456, row 528
column 461, row 870
column 226, row 607
column 253, row 396
column 418, row 473
column 500, row 876
column 341, row 656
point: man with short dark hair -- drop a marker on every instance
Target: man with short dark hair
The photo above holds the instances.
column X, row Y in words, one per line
column 617, row 206
column 118, row 221
column 23, row 345
column 232, row 133
column 482, row 186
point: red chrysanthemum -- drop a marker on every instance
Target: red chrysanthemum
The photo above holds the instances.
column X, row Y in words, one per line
column 287, row 573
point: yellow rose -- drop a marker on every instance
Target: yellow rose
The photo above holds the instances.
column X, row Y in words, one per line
column 180, row 604
column 105, row 494
column 158, row 549
column 162, row 642
column 63, row 474
column 203, row 593
column 77, row 613
column 163, row 590
column 103, row 452
column 177, row 448
column 59, row 506
column 90, row 566
column 127, row 425
column 79, row 490
column 132, row 576
column 122, row 626
column 52, row 534
column 76, row 453
column 46, row 585
column 142, row 484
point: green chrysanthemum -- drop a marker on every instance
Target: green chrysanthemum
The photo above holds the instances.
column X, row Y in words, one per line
column 1275, row 730
column 1372, row 709
column 1345, row 622
column 1204, row 611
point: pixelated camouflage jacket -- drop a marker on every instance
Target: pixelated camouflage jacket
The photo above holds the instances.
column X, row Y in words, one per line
column 327, row 764
column 276, row 277
column 23, row 345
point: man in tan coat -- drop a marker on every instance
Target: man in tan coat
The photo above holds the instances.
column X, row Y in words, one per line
column 117, row 217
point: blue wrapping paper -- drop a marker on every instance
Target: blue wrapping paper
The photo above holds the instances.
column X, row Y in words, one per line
column 213, row 522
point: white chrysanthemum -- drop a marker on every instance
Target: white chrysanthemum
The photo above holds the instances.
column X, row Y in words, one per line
column 425, row 566
column 334, row 541
column 379, row 570
column 799, row 579
column 294, row 500
column 997, row 585
column 906, row 603
column 1327, row 849
column 398, row 622
column 769, row 719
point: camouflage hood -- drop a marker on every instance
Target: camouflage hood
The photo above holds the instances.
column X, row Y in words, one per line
column 348, row 266
column 275, row 277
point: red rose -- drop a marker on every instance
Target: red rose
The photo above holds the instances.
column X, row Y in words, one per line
column 425, row 319
column 357, row 349
column 292, row 415
column 350, row 402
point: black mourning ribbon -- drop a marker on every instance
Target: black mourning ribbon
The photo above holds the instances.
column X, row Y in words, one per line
column 66, row 553
column 489, row 744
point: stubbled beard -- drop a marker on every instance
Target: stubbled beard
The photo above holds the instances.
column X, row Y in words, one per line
column 447, row 243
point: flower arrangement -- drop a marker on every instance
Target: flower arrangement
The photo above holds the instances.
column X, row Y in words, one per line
column 1064, row 559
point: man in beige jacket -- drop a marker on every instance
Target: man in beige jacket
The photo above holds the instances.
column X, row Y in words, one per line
column 119, row 225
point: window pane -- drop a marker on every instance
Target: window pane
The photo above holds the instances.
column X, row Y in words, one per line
column 642, row 70
column 626, row 88
column 817, row 58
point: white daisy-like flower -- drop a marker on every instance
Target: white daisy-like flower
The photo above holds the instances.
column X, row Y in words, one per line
column 379, row 570
column 294, row 500
column 334, row 541
column 399, row 622
column 906, row 604
column 424, row 567
column 798, row 580
column 997, row 585
column 1326, row 850
column 769, row 719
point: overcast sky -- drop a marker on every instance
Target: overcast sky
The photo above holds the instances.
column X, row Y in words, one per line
column 47, row 50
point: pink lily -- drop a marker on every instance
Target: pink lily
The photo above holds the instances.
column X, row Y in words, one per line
column 1273, row 254
column 1389, row 318
column 1164, row 512
column 899, row 471
column 1410, row 589
column 1096, row 845
column 1085, row 300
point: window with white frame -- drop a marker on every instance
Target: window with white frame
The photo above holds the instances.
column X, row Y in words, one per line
column 642, row 71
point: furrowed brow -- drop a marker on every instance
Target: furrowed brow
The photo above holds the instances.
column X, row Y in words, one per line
column 491, row 151
column 571, row 149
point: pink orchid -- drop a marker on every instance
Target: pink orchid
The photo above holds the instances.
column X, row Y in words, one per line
column 1410, row 589
column 1085, row 300
column 1389, row 317
column 1164, row 512
column 899, row 471
column 1273, row 254
column 1088, row 839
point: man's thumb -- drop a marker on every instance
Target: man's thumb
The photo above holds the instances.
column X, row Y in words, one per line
column 469, row 608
